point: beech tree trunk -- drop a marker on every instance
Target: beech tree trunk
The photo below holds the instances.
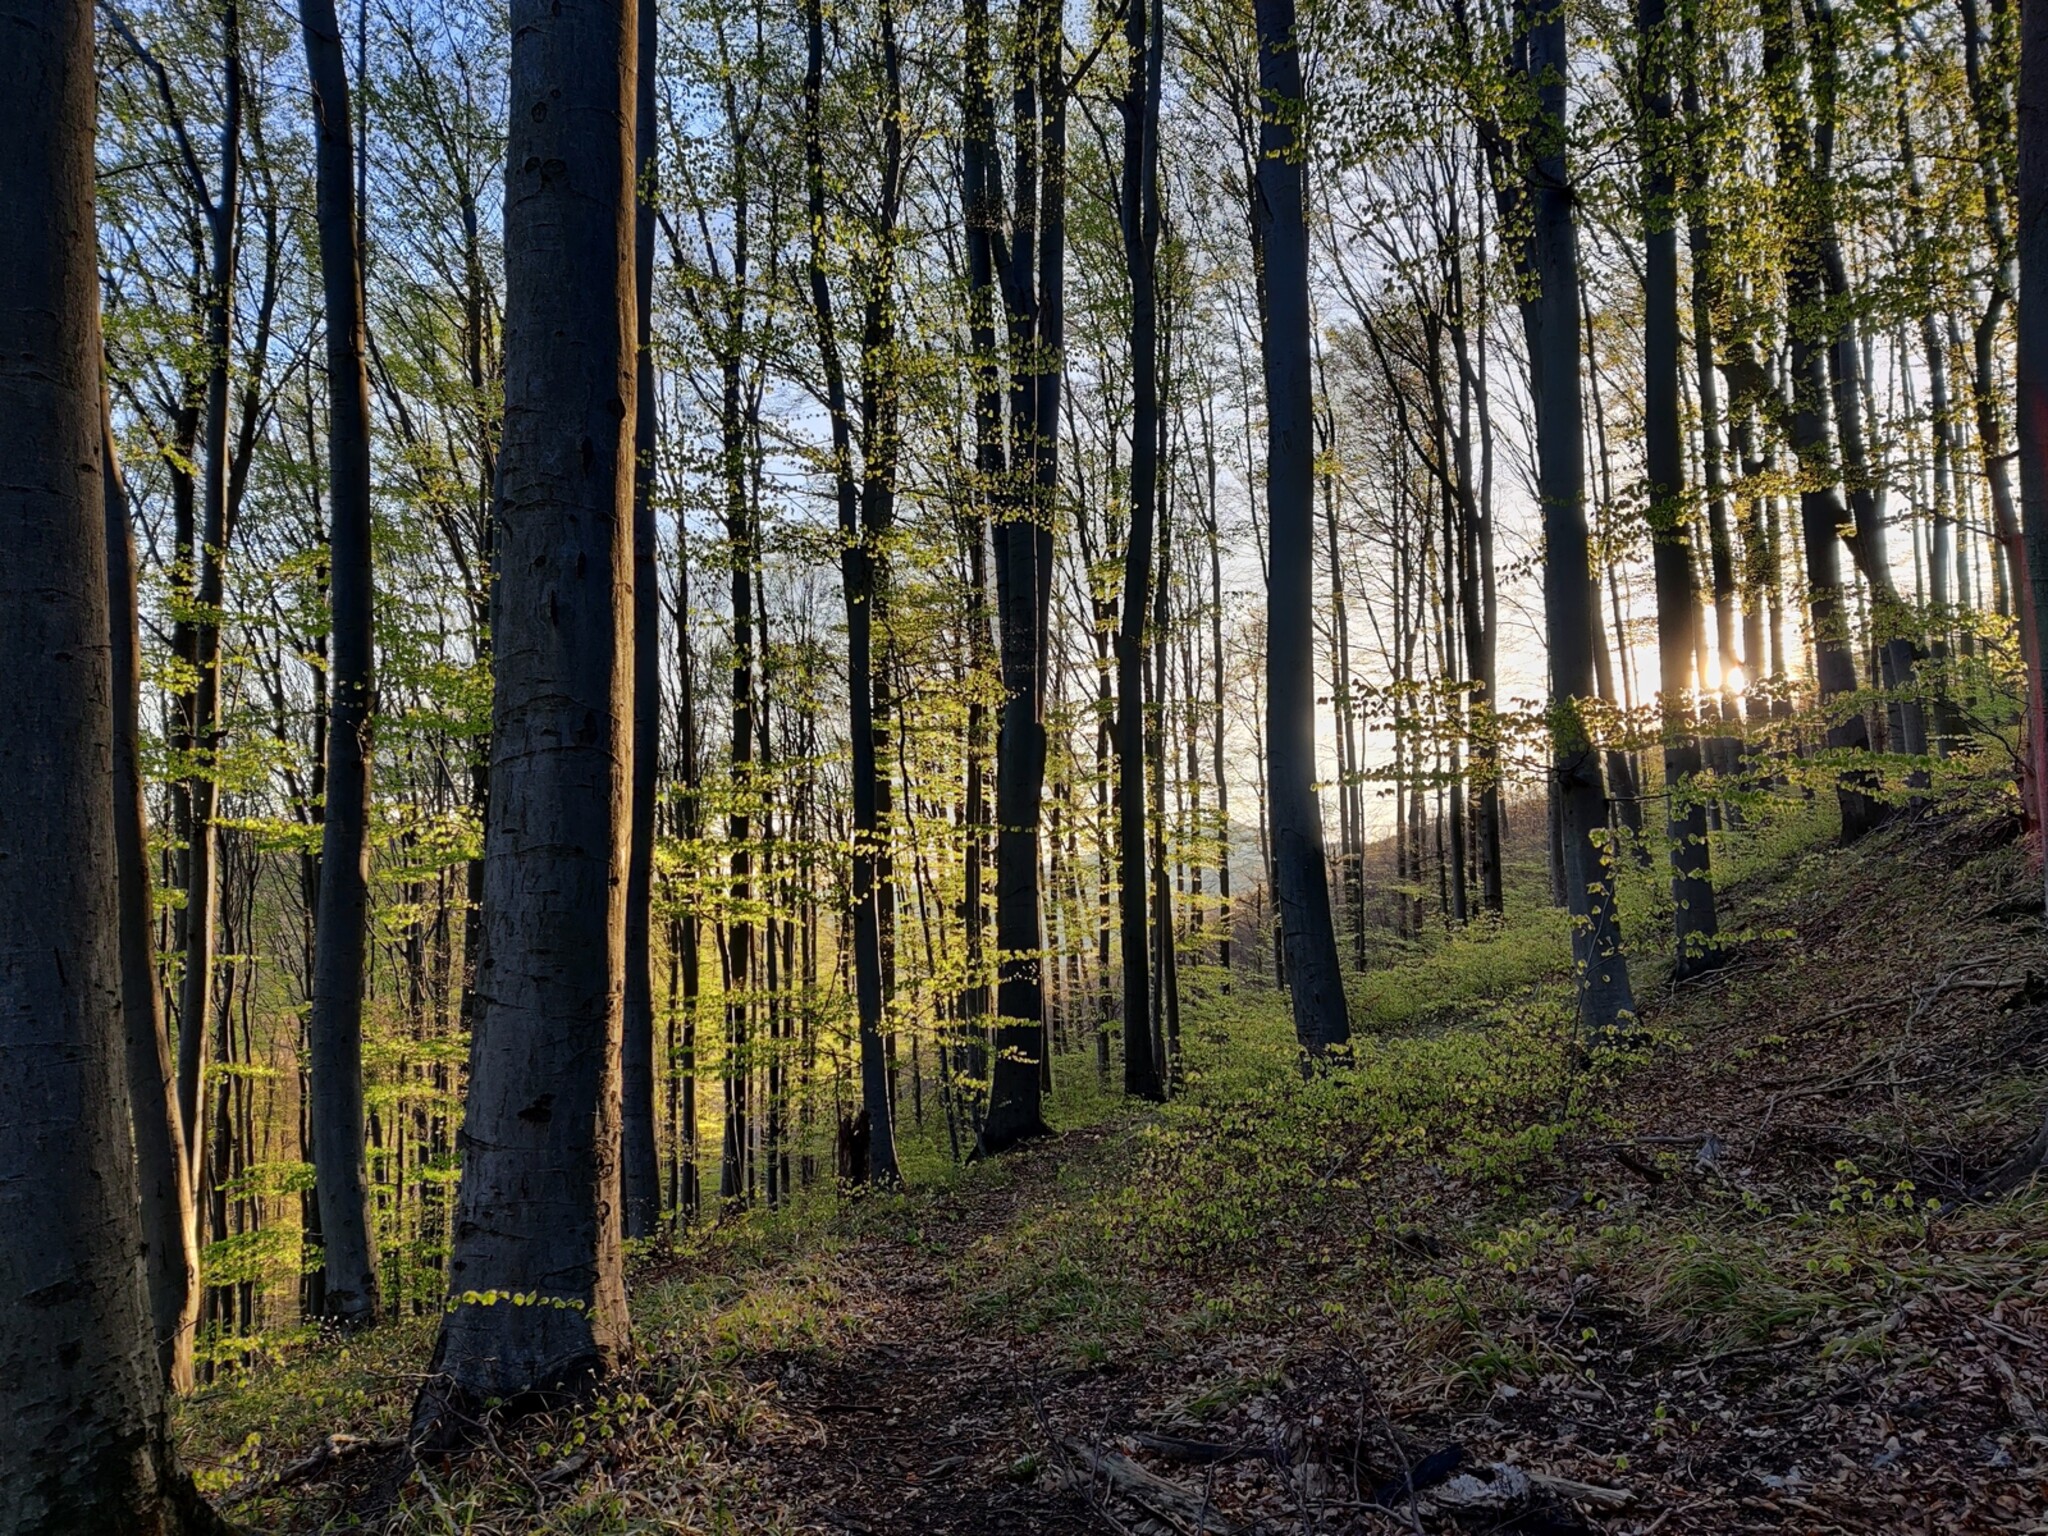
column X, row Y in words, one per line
column 1551, row 322
column 2033, row 318
column 170, row 1237
column 639, row 1160
column 1308, row 931
column 335, row 1027
column 84, row 1442
column 982, row 206
column 1692, row 889
column 1033, row 301
column 537, row 1218
column 200, row 706
column 1821, row 512
column 860, row 542
column 1143, row 1074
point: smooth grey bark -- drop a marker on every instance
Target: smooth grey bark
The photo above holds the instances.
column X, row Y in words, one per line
column 1821, row 512
column 742, row 527
column 335, row 1026
column 1722, row 751
column 860, row 511
column 1897, row 652
column 1226, row 914
column 1995, row 129
column 1165, row 960
column 537, row 1216
column 1478, row 593
column 1308, row 931
column 201, row 726
column 880, row 445
column 1944, row 726
column 982, row 206
column 1034, row 303
column 170, row 1235
column 687, row 931
column 1143, row 1071
column 84, row 1443
column 1696, row 930
column 639, row 1158
column 2033, row 320
column 1550, row 318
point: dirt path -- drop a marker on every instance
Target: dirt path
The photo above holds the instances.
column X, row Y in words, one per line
column 928, row 1424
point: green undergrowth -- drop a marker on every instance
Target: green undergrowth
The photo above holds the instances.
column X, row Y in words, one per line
column 1433, row 1186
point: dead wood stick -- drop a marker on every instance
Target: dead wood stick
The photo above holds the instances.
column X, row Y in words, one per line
column 1158, row 1495
column 1583, row 1493
column 330, row 1451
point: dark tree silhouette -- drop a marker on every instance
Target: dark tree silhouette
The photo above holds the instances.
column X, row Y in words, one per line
column 84, row 1441
column 537, row 1303
column 640, row 1159
column 335, row 1029
column 1034, row 300
column 170, row 1239
column 1144, row 1074
column 1300, row 876
column 1548, row 261
column 1692, row 890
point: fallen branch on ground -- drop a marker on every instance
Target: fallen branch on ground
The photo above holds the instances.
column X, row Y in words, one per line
column 331, row 1452
column 1148, row 1490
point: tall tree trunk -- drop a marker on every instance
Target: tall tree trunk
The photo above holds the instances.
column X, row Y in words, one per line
column 170, row 1237
column 1822, row 514
column 1144, row 1075
column 2033, row 322
column 1692, row 889
column 201, row 725
column 538, row 1210
column 1722, row 750
column 1307, row 928
column 1478, row 598
column 689, row 934
column 86, row 1446
column 1165, row 962
column 1891, row 627
column 639, row 1158
column 1225, row 914
column 880, row 412
column 742, row 534
column 340, row 936
column 982, row 204
column 857, row 560
column 1944, row 727
column 1995, row 129
column 1033, row 300
column 1551, row 320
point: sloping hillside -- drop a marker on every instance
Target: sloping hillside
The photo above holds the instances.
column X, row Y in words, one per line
column 1700, row 1285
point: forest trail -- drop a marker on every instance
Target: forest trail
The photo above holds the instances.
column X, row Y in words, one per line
column 1737, row 1385
column 926, row 1423
column 1706, row 1297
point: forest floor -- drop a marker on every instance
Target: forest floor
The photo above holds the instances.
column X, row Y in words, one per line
column 1698, row 1286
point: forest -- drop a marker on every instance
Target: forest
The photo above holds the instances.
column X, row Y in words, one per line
column 1023, row 767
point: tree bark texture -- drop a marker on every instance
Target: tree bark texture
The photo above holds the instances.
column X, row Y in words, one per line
column 1302, row 877
column 537, row 1298
column 639, row 1159
column 1692, row 890
column 860, row 541
column 1143, row 1074
column 2033, row 316
column 335, row 1028
column 170, row 1236
column 1551, row 320
column 84, row 1444
column 1033, row 301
